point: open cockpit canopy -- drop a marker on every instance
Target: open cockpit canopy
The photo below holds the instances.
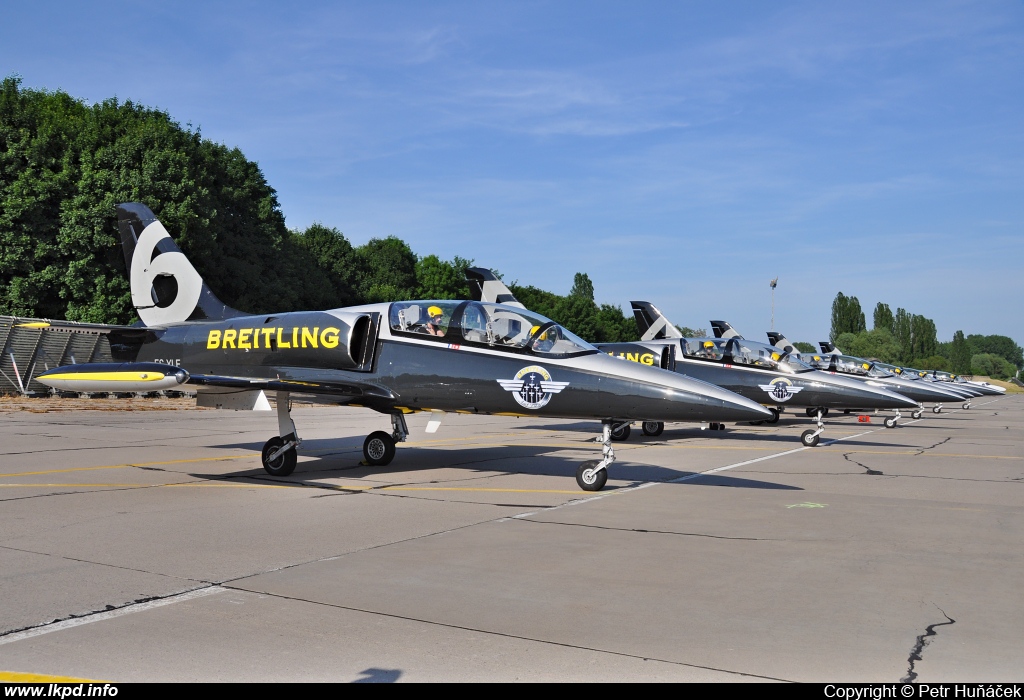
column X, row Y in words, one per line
column 484, row 324
column 848, row 364
column 739, row 351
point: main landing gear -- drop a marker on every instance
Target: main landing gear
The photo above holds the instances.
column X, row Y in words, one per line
column 620, row 432
column 279, row 455
column 776, row 412
column 653, row 428
column 379, row 447
column 810, row 438
column 593, row 475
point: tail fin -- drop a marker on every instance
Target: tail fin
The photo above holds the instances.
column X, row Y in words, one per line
column 780, row 341
column 828, row 348
column 724, row 330
column 485, row 286
column 651, row 323
column 165, row 287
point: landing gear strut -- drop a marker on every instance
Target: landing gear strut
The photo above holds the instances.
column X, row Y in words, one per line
column 593, row 475
column 891, row 421
column 379, row 447
column 937, row 408
column 810, row 438
column 916, row 415
column 967, row 405
column 279, row 455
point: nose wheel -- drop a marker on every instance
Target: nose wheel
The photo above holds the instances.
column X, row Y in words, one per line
column 593, row 475
column 811, row 438
column 937, row 408
column 916, row 415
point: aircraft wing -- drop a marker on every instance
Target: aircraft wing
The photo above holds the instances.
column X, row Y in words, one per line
column 348, row 389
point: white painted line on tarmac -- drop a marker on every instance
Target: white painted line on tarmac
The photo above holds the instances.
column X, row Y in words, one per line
column 744, row 463
column 108, row 614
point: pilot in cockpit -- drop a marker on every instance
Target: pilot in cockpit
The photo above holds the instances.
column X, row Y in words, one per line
column 434, row 327
column 709, row 350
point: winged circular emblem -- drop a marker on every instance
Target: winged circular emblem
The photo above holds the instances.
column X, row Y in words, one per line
column 532, row 387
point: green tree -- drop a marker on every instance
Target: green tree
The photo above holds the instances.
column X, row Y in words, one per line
column 934, row 362
column 997, row 345
column 336, row 257
column 903, row 335
column 877, row 344
column 804, row 347
column 847, row 316
column 387, row 270
column 960, row 354
column 582, row 287
column 442, row 279
column 883, row 318
column 992, row 365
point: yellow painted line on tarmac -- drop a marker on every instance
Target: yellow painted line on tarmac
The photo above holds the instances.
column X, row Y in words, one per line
column 129, row 465
column 335, row 487
column 15, row 677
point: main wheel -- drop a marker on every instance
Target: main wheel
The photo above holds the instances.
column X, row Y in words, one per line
column 652, row 427
column 775, row 416
column 378, row 449
column 811, row 412
column 890, row 422
column 917, row 414
column 621, row 432
column 824, row 412
column 589, row 478
column 809, row 438
column 936, row 409
column 284, row 464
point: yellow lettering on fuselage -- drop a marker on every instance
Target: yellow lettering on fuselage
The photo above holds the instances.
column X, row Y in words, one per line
column 249, row 338
column 311, row 338
column 644, row 359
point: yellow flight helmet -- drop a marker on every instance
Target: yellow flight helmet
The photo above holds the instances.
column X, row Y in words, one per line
column 708, row 344
column 776, row 356
column 434, row 311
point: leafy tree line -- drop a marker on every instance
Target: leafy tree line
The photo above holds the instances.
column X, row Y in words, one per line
column 910, row 339
column 65, row 165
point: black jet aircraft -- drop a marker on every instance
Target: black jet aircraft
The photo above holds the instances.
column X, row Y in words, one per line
column 874, row 373
column 395, row 358
column 916, row 384
column 754, row 370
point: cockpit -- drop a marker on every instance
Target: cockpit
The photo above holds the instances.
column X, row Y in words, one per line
column 484, row 324
column 743, row 352
column 847, row 364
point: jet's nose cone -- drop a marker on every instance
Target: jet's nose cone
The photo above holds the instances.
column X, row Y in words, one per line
column 641, row 392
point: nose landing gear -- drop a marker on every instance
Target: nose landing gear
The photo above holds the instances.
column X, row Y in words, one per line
column 593, row 475
column 811, row 438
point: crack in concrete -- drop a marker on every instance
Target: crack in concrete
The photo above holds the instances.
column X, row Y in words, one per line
column 866, row 468
column 922, row 642
column 507, row 635
column 922, row 450
column 641, row 530
column 106, row 609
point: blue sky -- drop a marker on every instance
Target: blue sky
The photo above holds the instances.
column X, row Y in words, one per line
column 682, row 153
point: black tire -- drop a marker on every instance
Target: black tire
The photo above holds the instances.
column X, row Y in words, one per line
column 890, row 422
column 775, row 416
column 824, row 412
column 967, row 406
column 621, row 432
column 284, row 464
column 809, row 439
column 811, row 412
column 757, row 422
column 378, row 449
column 590, row 480
column 916, row 415
column 936, row 409
column 652, row 428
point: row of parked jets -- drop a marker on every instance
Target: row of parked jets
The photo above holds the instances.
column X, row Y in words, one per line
column 484, row 355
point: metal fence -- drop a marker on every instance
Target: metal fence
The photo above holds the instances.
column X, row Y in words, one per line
column 29, row 351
